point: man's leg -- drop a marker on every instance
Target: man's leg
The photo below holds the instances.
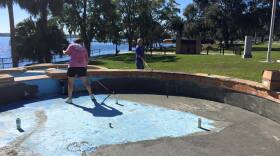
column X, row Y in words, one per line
column 139, row 64
column 142, row 65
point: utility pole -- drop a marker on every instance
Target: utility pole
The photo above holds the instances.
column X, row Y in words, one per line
column 271, row 31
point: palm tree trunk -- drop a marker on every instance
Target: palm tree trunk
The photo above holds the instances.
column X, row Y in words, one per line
column 43, row 28
column 15, row 56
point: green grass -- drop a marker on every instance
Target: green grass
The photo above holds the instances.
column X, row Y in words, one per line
column 232, row 66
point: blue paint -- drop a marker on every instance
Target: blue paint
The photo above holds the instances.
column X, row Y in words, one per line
column 49, row 86
column 46, row 87
column 103, row 124
column 28, row 73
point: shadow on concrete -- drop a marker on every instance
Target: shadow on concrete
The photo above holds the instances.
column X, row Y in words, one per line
column 7, row 107
column 23, row 102
column 205, row 129
column 20, row 130
column 101, row 110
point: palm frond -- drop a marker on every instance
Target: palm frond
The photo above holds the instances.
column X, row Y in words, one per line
column 32, row 6
column 56, row 7
column 3, row 3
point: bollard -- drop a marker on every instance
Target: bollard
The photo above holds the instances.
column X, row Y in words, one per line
column 84, row 153
column 18, row 123
column 199, row 123
column 117, row 102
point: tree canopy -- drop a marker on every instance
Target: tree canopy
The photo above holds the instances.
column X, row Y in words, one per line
column 32, row 44
column 225, row 20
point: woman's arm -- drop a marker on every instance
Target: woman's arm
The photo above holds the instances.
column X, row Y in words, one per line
column 68, row 50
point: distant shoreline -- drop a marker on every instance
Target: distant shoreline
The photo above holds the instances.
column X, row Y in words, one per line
column 8, row 35
column 4, row 34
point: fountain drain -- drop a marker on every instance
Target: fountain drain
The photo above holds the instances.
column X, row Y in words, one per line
column 80, row 147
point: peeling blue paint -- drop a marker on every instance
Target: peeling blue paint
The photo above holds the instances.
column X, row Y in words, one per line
column 85, row 124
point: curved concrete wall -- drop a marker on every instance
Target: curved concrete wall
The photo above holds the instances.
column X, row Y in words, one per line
column 248, row 95
column 245, row 94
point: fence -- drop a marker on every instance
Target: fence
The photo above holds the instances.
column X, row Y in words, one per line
column 95, row 52
column 8, row 62
column 4, row 62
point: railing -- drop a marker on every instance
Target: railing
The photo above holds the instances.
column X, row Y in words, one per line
column 95, row 52
column 4, row 62
column 8, row 62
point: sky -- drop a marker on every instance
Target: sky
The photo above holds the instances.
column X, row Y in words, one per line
column 20, row 14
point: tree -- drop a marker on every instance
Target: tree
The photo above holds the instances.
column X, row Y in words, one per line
column 41, row 9
column 110, row 26
column 222, row 19
column 115, row 34
column 150, row 27
column 9, row 5
column 177, row 25
column 260, row 11
column 168, row 13
column 94, row 19
column 29, row 38
column 194, row 25
column 129, row 13
column 225, row 17
column 66, row 21
column 227, row 20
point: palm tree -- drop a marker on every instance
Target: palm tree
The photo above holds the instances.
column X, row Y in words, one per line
column 41, row 8
column 9, row 4
column 28, row 38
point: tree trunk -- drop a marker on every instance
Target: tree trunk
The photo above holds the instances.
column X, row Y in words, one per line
column 226, row 43
column 178, row 43
column 85, row 37
column 130, row 44
column 117, row 50
column 87, row 43
column 48, row 57
column 256, row 38
column 43, row 28
column 15, row 56
column 262, row 38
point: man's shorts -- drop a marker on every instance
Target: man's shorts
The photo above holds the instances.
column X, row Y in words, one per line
column 77, row 71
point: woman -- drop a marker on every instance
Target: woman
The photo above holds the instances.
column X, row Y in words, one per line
column 77, row 67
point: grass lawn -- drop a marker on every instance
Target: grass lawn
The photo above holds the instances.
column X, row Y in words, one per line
column 227, row 65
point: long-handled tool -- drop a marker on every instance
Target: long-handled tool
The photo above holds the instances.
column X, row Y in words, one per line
column 147, row 65
column 111, row 91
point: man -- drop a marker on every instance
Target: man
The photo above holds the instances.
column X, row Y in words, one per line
column 77, row 67
column 140, row 54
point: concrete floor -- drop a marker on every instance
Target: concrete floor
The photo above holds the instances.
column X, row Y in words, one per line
column 244, row 133
column 52, row 127
column 238, row 133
